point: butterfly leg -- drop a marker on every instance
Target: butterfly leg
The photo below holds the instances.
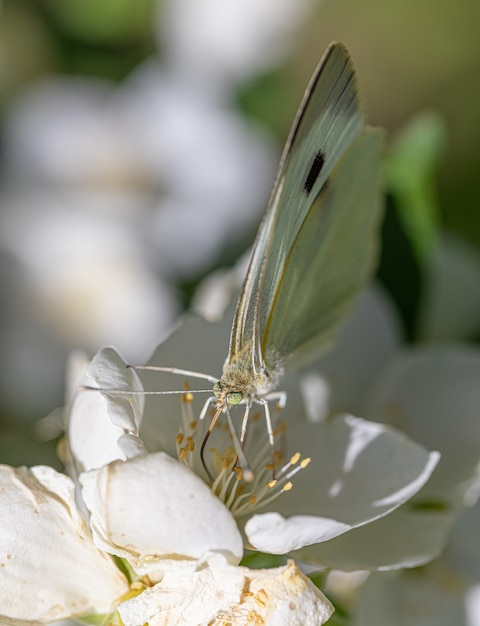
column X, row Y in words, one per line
column 281, row 399
column 243, row 432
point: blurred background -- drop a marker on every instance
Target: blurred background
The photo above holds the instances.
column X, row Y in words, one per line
column 138, row 144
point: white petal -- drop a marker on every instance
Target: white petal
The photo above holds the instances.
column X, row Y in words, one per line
column 197, row 345
column 433, row 395
column 192, row 593
column 49, row 566
column 463, row 550
column 452, row 277
column 97, row 420
column 367, row 339
column 447, row 591
column 405, row 538
column 270, row 532
column 152, row 507
column 360, row 471
column 430, row 596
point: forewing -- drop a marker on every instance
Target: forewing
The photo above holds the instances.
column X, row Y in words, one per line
column 327, row 123
column 331, row 258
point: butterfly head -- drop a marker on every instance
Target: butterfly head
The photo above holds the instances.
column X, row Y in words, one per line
column 226, row 395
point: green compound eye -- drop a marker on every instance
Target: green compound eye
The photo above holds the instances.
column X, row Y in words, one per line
column 217, row 389
column 235, row 397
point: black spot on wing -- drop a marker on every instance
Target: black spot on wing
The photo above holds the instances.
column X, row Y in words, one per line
column 314, row 172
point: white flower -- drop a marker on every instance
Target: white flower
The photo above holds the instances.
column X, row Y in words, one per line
column 218, row 593
column 451, row 276
column 226, row 42
column 49, row 568
column 432, row 395
column 106, row 204
column 159, row 148
column 443, row 592
column 336, row 482
column 168, row 521
column 147, row 508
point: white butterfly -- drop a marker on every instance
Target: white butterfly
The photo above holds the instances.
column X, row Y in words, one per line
column 315, row 248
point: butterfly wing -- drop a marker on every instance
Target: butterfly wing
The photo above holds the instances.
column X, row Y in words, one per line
column 330, row 260
column 279, row 293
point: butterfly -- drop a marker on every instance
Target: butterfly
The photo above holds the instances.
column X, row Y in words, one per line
column 314, row 251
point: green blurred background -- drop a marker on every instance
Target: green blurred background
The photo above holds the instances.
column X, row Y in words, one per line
column 409, row 56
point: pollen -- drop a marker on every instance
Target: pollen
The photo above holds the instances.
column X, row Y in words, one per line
column 187, row 398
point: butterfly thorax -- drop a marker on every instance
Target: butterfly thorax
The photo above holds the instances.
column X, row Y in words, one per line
column 242, row 383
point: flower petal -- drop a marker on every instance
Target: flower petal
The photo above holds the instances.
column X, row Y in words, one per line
column 98, row 421
column 424, row 597
column 152, row 507
column 452, row 277
column 342, row 487
column 408, row 537
column 216, row 592
column 197, row 345
column 50, row 569
column 433, row 395
column 445, row 592
column 345, row 374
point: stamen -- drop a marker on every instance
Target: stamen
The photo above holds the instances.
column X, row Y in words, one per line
column 187, row 398
column 261, row 495
column 243, row 486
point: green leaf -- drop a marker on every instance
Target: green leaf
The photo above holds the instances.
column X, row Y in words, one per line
column 412, row 170
column 261, row 560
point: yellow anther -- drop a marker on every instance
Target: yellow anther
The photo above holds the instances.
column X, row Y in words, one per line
column 278, row 455
column 271, row 484
column 252, row 500
column 190, row 445
column 182, row 454
column 227, row 461
column 305, row 462
column 179, row 439
column 295, row 458
column 187, row 398
column 287, row 486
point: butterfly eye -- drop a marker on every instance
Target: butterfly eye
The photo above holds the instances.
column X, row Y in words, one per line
column 235, row 397
column 217, row 389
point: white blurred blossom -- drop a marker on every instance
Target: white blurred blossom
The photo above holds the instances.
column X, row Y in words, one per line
column 444, row 592
column 112, row 193
column 227, row 42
